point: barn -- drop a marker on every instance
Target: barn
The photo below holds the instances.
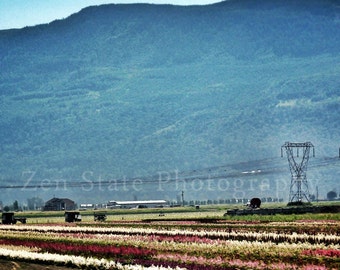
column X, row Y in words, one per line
column 59, row 204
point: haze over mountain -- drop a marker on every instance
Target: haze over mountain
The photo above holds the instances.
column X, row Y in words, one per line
column 119, row 92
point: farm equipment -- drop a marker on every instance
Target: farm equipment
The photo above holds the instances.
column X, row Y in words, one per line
column 9, row 218
column 99, row 216
column 72, row 216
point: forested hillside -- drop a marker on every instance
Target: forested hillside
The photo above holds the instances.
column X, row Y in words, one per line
column 125, row 91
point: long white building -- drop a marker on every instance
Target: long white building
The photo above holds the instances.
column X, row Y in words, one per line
column 137, row 204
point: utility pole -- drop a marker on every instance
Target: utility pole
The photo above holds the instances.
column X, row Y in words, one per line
column 317, row 194
column 298, row 169
column 182, row 198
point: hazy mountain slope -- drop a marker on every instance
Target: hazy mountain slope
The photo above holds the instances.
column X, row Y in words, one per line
column 130, row 90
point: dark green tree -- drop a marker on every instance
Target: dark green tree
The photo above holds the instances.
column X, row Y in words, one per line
column 15, row 205
column 331, row 195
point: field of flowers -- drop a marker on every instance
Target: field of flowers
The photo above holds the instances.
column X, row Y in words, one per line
column 225, row 244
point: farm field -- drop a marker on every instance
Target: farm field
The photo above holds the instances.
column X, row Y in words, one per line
column 182, row 239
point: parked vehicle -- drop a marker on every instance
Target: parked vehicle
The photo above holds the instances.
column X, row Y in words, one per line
column 72, row 216
column 99, row 216
column 9, row 218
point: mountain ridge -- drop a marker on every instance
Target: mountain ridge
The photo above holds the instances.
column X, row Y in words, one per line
column 130, row 90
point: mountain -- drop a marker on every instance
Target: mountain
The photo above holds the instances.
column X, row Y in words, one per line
column 137, row 94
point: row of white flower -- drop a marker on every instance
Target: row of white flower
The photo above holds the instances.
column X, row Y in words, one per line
column 148, row 241
column 254, row 236
column 78, row 261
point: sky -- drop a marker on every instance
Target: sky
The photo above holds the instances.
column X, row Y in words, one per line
column 21, row 13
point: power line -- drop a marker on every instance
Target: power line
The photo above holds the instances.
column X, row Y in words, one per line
column 244, row 170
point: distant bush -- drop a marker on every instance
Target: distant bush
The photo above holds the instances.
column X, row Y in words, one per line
column 299, row 203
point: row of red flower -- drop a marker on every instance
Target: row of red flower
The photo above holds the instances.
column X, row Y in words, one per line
column 107, row 251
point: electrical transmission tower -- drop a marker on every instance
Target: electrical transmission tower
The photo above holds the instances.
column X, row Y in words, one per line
column 298, row 169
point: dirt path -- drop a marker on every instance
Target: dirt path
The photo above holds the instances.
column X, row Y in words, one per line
column 16, row 265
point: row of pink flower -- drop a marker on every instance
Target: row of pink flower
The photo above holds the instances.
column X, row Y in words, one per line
column 323, row 252
column 239, row 236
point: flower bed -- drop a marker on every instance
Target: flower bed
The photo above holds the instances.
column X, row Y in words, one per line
column 205, row 246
